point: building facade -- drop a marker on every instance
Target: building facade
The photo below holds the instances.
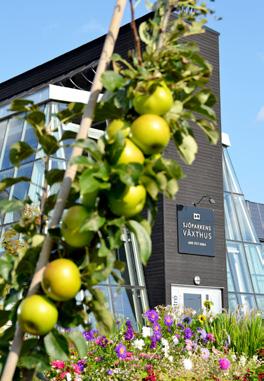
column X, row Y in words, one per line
column 188, row 263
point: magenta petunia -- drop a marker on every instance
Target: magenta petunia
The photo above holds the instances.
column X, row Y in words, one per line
column 224, row 363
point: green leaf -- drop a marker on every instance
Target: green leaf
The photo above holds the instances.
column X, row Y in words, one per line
column 119, row 265
column 129, row 174
column 91, row 147
column 112, row 80
column 142, row 238
column 172, row 187
column 89, row 183
column 94, row 223
column 79, row 342
column 36, row 118
column 7, row 206
column 186, row 145
column 151, row 186
column 210, row 130
column 144, row 34
column 73, row 111
column 4, row 317
column 6, row 266
column 20, row 151
column 21, row 105
column 68, row 135
column 54, row 176
column 9, row 181
column 56, row 346
column 49, row 144
column 33, row 360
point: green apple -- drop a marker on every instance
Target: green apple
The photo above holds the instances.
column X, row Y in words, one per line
column 158, row 102
column 117, row 125
column 130, row 203
column 61, row 279
column 131, row 154
column 151, row 133
column 37, row 315
column 72, row 222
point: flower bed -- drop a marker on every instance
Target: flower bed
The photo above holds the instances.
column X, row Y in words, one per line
column 171, row 346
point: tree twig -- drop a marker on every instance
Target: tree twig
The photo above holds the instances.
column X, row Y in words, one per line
column 69, row 176
column 135, row 33
column 164, row 24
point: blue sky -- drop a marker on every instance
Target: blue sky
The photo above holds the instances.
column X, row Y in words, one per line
column 34, row 32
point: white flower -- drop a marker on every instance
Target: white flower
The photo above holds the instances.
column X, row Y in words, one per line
column 165, row 342
column 68, row 377
column 233, row 357
column 175, row 340
column 242, row 360
column 187, row 363
column 255, row 358
column 147, row 331
column 139, row 344
column 170, row 358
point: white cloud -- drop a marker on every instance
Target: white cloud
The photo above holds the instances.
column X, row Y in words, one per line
column 260, row 115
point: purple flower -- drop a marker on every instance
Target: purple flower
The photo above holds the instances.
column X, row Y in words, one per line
column 205, row 353
column 152, row 316
column 156, row 328
column 129, row 334
column 90, row 335
column 153, row 343
column 168, row 320
column 110, row 372
column 187, row 320
column 121, row 351
column 188, row 333
column 224, row 363
column 180, row 325
column 81, row 365
column 203, row 334
column 102, row 341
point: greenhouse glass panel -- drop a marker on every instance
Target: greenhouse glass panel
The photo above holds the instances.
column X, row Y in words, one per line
column 238, row 267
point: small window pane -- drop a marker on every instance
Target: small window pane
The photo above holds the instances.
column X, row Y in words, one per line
column 238, row 267
column 246, row 227
column 3, row 126
column 14, row 132
column 233, row 184
column 255, row 257
column 231, row 225
column 21, row 189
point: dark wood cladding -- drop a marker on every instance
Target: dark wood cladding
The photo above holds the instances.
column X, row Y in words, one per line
column 203, row 177
column 155, row 270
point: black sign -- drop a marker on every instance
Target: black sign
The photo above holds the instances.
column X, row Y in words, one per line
column 196, row 230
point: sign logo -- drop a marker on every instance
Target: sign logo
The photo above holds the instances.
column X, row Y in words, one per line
column 196, row 230
column 196, row 216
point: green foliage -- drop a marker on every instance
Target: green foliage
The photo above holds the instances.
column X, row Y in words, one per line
column 243, row 333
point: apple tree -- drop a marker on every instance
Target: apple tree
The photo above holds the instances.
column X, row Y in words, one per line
column 156, row 94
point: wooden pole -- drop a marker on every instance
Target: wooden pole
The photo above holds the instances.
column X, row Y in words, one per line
column 69, row 176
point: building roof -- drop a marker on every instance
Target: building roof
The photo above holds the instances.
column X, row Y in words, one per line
column 256, row 211
column 72, row 69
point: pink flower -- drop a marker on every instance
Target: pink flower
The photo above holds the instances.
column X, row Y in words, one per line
column 224, row 363
column 76, row 368
column 58, row 364
column 63, row 375
column 188, row 344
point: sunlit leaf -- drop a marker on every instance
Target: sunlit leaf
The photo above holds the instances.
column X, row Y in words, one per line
column 142, row 238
